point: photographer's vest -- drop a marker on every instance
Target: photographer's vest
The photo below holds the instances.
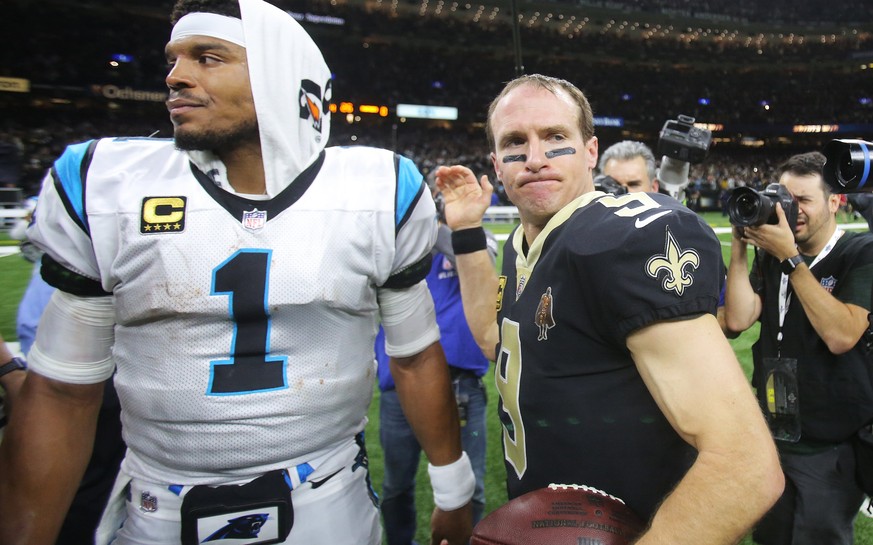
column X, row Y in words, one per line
column 836, row 391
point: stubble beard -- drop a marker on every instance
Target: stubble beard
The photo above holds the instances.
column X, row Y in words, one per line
column 213, row 140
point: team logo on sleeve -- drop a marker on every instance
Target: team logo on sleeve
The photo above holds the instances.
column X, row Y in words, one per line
column 675, row 264
column 162, row 215
column 545, row 319
column 501, row 287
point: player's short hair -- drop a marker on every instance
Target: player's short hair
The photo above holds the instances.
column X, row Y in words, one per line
column 229, row 8
column 553, row 85
column 627, row 150
column 805, row 164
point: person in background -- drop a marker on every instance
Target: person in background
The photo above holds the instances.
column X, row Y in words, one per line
column 38, row 292
column 611, row 367
column 467, row 365
column 232, row 280
column 810, row 288
column 632, row 165
column 862, row 204
column 12, row 371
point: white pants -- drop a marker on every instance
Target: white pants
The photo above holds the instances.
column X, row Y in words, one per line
column 339, row 511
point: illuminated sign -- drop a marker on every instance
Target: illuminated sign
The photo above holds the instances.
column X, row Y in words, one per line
column 815, row 128
column 318, row 19
column 371, row 109
column 608, row 122
column 427, row 112
column 15, row 85
column 127, row 93
column 714, row 127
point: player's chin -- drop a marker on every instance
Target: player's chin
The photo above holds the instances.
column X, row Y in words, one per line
column 188, row 138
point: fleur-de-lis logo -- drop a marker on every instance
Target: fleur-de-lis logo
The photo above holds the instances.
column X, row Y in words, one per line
column 675, row 261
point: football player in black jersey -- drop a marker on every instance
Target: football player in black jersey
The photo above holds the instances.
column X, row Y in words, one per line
column 611, row 366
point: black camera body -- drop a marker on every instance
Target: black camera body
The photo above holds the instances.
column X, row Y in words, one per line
column 750, row 208
column 680, row 139
column 608, row 184
column 848, row 166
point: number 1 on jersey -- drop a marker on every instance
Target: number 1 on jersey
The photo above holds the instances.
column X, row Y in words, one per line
column 244, row 278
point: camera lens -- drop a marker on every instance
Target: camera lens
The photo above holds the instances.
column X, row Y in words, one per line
column 747, row 208
column 848, row 166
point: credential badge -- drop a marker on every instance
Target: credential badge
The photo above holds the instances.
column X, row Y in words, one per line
column 674, row 263
column 254, row 220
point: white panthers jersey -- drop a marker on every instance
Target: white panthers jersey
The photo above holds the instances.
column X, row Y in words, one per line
column 244, row 329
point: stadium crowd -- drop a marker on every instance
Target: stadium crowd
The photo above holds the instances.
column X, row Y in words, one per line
column 640, row 74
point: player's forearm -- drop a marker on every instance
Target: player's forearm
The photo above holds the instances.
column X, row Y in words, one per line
column 479, row 296
column 742, row 305
column 425, row 392
column 718, row 502
column 44, row 452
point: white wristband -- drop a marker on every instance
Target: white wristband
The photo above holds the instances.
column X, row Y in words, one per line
column 453, row 484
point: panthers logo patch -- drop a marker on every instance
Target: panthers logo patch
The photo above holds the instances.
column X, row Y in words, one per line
column 314, row 102
column 245, row 527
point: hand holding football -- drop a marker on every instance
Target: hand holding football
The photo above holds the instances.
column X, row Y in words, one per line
column 560, row 515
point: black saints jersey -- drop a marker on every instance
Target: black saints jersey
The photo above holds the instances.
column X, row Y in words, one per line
column 573, row 406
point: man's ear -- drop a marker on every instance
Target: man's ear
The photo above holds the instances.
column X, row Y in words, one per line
column 834, row 202
column 496, row 165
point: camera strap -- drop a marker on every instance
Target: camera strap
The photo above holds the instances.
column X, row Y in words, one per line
column 785, row 288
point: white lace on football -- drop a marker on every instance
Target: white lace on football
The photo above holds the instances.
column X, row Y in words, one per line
column 554, row 486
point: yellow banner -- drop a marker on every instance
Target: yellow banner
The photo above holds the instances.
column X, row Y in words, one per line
column 15, row 85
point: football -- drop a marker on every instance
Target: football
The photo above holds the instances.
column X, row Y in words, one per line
column 560, row 514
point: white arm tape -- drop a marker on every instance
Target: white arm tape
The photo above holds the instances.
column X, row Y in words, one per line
column 409, row 320
column 453, row 484
column 74, row 339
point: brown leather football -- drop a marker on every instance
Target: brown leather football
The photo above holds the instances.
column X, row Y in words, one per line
column 560, row 514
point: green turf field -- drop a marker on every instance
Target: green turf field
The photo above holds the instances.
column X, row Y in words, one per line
column 15, row 271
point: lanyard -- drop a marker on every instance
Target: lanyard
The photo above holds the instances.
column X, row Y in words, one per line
column 784, row 290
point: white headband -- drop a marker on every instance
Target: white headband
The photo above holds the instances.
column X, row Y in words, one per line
column 210, row 24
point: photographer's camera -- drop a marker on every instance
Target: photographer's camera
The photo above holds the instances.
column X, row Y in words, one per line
column 848, row 166
column 750, row 208
column 608, row 184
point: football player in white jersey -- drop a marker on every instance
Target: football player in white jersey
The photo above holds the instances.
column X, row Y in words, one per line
column 233, row 278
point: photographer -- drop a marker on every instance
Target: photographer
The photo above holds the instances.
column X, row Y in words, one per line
column 810, row 287
column 632, row 165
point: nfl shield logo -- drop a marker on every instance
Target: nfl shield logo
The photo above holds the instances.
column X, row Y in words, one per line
column 829, row 283
column 148, row 503
column 254, row 220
